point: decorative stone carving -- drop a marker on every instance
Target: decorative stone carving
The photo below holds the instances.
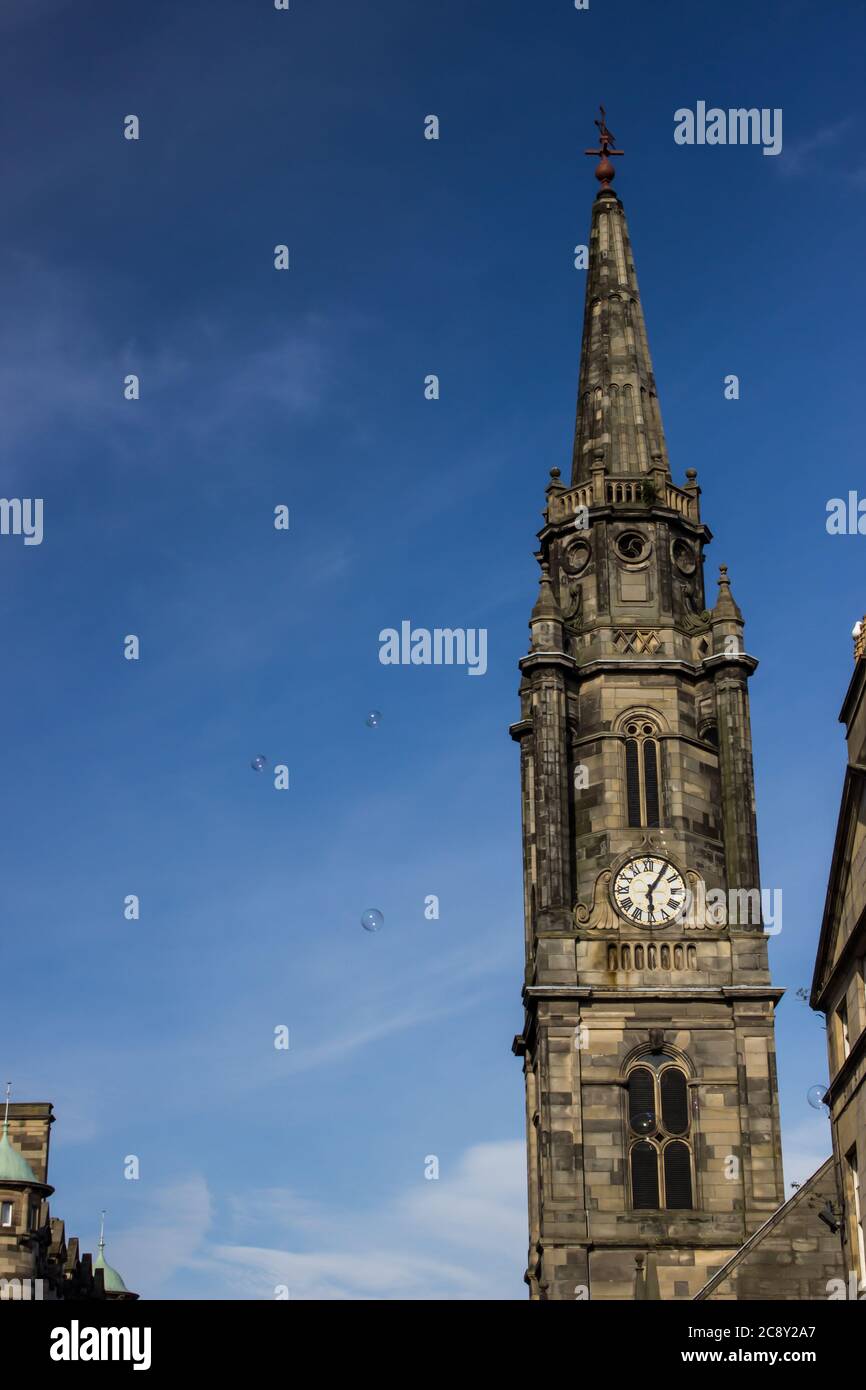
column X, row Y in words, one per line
column 639, row 640
column 569, row 595
column 600, row 914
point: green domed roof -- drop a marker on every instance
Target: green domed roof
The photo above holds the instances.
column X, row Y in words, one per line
column 13, row 1165
column 110, row 1277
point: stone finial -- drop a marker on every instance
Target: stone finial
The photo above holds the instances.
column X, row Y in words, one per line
column 639, row 1279
column 546, row 605
column 646, row 1284
column 726, row 606
column 859, row 635
column 556, row 484
column 545, row 624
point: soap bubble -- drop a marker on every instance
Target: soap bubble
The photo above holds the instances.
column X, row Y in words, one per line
column 372, row 919
column 817, row 1098
column 644, row 1123
column 258, row 763
column 374, row 719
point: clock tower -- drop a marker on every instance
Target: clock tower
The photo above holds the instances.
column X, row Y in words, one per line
column 648, row 1044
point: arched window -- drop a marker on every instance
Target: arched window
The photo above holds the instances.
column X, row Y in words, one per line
column 675, row 1101
column 645, row 1176
column 642, row 775
column 678, row 1176
column 632, row 781
column 659, row 1124
column 651, row 781
column 641, row 1101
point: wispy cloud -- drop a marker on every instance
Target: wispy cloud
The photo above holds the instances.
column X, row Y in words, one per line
column 179, row 1217
column 804, row 157
column 458, row 1237
column 201, row 385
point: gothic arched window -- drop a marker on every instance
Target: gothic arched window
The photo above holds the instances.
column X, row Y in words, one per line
column 642, row 776
column 659, row 1124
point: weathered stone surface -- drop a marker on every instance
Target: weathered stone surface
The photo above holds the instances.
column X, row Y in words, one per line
column 794, row 1256
column 635, row 737
column 839, row 984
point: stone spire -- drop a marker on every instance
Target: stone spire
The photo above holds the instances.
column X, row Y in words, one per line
column 726, row 606
column 618, row 419
column 545, row 624
column 727, row 619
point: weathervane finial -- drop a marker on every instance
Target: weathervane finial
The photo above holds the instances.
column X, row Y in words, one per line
column 604, row 170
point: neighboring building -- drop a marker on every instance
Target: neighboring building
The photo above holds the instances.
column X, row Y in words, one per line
column 654, row 1151
column 36, row 1260
column 838, row 988
column 795, row 1255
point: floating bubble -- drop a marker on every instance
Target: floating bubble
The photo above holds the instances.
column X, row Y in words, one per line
column 374, row 719
column 817, row 1098
column 372, row 919
column 644, row 1123
column 259, row 762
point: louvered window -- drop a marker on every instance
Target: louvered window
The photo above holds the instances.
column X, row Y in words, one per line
column 641, row 1100
column 642, row 774
column 675, row 1101
column 645, row 1177
column 661, row 1159
column 632, row 779
column 651, row 781
column 678, row 1176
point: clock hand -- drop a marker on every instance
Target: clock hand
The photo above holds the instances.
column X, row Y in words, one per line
column 657, row 881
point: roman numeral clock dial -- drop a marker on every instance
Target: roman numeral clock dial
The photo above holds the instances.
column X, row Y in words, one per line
column 649, row 890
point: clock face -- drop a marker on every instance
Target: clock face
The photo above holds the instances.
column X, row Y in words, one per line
column 649, row 891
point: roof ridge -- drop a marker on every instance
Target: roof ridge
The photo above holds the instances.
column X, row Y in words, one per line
column 768, row 1225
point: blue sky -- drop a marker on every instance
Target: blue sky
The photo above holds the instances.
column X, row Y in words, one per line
column 155, row 1037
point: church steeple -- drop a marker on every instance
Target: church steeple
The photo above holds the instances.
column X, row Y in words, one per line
column 618, row 426
column 649, row 1057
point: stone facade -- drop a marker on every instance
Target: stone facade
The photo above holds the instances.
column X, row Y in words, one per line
column 37, row 1262
column 795, row 1256
column 839, row 985
column 648, row 1043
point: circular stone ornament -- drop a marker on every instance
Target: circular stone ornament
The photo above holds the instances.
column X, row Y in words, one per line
column 684, row 557
column 577, row 556
column 632, row 547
